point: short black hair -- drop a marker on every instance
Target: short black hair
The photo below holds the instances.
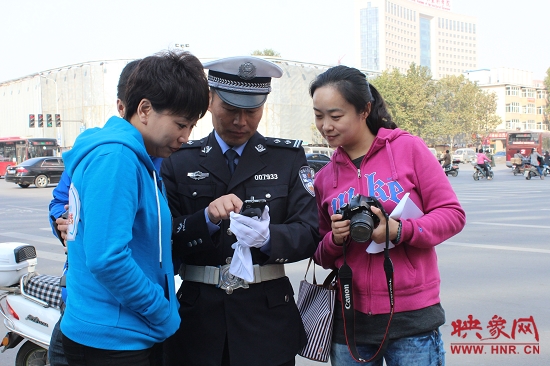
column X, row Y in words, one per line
column 123, row 80
column 354, row 87
column 173, row 81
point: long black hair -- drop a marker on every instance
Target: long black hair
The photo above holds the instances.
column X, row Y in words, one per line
column 356, row 90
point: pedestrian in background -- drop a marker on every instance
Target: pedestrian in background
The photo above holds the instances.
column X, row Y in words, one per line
column 375, row 158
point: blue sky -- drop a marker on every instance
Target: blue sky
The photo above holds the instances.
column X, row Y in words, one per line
column 37, row 35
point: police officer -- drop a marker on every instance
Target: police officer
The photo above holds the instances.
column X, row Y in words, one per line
column 241, row 314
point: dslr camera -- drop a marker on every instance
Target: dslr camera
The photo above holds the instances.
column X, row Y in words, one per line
column 362, row 219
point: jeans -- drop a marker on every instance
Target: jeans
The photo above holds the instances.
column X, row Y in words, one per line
column 425, row 349
column 56, row 356
column 80, row 355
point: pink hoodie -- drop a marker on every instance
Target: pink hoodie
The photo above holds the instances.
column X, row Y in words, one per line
column 396, row 163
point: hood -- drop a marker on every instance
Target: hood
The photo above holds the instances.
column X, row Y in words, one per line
column 116, row 130
column 383, row 139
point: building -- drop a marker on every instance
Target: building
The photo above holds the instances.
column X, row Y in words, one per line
column 395, row 33
column 84, row 96
column 521, row 100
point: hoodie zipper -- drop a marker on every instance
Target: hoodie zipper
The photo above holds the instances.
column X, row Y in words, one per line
column 158, row 215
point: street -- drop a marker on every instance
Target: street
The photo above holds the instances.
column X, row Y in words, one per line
column 495, row 288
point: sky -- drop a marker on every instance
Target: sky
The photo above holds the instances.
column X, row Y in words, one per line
column 38, row 35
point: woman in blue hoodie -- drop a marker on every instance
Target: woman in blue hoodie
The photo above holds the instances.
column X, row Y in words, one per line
column 121, row 284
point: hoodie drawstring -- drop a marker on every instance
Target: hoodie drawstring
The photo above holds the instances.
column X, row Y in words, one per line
column 392, row 163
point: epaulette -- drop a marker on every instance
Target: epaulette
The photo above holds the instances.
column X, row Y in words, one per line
column 280, row 142
column 191, row 144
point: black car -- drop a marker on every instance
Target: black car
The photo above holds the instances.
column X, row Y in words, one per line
column 317, row 161
column 37, row 171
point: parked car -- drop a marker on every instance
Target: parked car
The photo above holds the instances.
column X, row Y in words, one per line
column 500, row 157
column 317, row 161
column 464, row 155
column 38, row 171
column 328, row 151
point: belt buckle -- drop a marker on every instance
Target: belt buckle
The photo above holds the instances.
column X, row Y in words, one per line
column 229, row 282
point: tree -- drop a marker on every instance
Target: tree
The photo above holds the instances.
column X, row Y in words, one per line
column 409, row 97
column 266, row 52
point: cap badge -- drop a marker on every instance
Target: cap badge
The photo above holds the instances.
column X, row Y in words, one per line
column 206, row 149
column 198, row 175
column 260, row 147
column 247, row 71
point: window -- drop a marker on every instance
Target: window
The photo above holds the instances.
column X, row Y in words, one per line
column 512, row 107
column 541, row 94
column 540, row 110
column 512, row 90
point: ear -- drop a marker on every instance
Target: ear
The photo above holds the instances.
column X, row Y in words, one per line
column 120, row 108
column 144, row 110
column 210, row 100
column 366, row 112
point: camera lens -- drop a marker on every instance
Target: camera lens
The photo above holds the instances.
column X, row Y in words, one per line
column 361, row 225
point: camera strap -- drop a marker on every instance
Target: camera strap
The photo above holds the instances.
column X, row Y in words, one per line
column 346, row 293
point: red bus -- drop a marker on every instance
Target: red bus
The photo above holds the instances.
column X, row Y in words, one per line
column 14, row 150
column 524, row 141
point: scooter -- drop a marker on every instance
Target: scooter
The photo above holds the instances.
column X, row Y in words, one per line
column 479, row 173
column 532, row 171
column 29, row 304
column 451, row 169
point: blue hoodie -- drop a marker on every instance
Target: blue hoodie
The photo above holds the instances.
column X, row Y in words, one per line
column 122, row 279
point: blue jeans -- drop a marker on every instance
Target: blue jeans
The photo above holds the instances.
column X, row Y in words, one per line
column 425, row 349
column 56, row 356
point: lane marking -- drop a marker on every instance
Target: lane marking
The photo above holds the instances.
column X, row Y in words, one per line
column 514, row 225
column 37, row 238
column 499, row 247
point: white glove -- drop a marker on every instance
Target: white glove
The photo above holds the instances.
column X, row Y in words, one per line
column 241, row 264
column 250, row 231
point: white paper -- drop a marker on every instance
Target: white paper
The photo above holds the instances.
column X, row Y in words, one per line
column 405, row 209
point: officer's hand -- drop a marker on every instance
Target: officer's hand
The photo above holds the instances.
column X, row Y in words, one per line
column 251, row 231
column 340, row 229
column 220, row 208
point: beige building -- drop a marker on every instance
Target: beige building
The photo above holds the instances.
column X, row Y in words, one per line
column 521, row 100
column 395, row 33
column 84, row 96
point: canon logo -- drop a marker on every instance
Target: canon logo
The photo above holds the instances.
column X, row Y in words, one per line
column 347, row 297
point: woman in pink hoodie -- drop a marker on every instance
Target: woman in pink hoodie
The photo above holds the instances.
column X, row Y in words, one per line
column 375, row 158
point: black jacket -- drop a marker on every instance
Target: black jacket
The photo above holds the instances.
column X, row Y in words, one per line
column 262, row 323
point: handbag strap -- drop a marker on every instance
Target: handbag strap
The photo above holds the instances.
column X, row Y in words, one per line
column 330, row 277
column 346, row 292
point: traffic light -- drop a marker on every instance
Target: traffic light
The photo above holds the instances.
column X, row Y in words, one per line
column 40, row 120
column 31, row 120
column 49, row 121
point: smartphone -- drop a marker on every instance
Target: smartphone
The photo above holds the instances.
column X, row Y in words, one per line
column 253, row 208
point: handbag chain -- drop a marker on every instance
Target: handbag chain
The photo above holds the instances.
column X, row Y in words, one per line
column 346, row 292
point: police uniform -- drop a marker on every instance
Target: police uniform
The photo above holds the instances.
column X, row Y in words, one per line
column 248, row 323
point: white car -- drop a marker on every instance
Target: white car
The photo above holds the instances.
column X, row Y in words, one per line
column 464, row 155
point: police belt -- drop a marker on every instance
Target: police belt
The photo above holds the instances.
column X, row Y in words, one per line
column 221, row 278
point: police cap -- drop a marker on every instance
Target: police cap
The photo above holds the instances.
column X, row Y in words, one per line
column 242, row 81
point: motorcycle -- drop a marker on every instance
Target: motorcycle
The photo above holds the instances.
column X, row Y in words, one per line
column 451, row 169
column 479, row 173
column 29, row 304
column 532, row 171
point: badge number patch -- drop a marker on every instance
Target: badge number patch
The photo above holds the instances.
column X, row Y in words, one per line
column 306, row 176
